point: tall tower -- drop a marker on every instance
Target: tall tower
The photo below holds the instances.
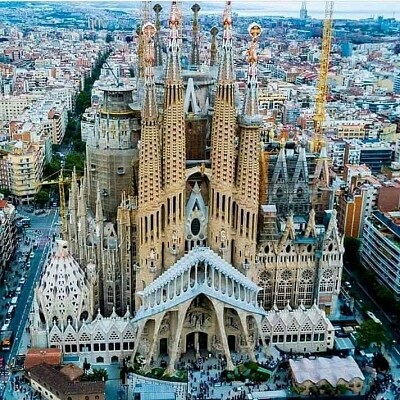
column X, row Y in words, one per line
column 157, row 43
column 303, row 10
column 247, row 183
column 112, row 149
column 174, row 145
column 195, row 55
column 149, row 200
column 214, row 33
column 223, row 147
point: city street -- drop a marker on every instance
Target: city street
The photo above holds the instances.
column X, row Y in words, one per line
column 41, row 231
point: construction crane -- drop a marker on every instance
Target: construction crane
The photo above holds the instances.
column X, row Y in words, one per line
column 322, row 91
column 61, row 182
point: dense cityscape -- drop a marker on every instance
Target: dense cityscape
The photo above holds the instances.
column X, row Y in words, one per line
column 199, row 203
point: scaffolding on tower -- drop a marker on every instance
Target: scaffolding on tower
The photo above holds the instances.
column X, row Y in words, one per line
column 322, row 91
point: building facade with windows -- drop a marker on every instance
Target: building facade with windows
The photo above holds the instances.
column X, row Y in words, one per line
column 381, row 248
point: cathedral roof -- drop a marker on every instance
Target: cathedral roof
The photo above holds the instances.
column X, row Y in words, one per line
column 153, row 303
column 277, row 321
column 195, row 256
column 63, row 292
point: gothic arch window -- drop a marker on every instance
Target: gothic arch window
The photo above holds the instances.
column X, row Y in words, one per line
column 285, row 288
column 110, row 295
column 327, row 283
column 306, row 287
column 279, row 192
column 265, row 294
column 299, row 192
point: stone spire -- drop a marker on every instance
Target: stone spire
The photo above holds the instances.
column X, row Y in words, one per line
column 99, row 210
column 195, row 55
column 226, row 73
column 174, row 141
column 223, row 151
column 150, row 157
column 214, row 49
column 157, row 43
column 250, row 105
column 250, row 123
column 223, row 131
column 149, row 108
column 173, row 125
column 173, row 73
column 248, row 171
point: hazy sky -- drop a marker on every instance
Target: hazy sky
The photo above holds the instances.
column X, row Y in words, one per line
column 342, row 8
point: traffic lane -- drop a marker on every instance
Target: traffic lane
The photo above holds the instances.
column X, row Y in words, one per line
column 25, row 301
column 359, row 293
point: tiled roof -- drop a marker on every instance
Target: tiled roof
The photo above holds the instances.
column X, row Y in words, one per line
column 57, row 381
column 40, row 356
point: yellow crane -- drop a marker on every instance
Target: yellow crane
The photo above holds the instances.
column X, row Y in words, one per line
column 322, row 91
column 61, row 182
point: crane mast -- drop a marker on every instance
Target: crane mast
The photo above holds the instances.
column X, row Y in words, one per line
column 322, row 91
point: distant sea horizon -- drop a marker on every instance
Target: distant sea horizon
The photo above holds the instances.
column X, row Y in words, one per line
column 343, row 9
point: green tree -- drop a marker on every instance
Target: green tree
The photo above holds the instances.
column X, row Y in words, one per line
column 42, row 196
column 99, row 374
column 82, row 102
column 76, row 160
column 371, row 332
column 351, row 253
column 50, row 170
column 5, row 192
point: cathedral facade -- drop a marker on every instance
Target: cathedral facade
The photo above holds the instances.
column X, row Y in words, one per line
column 196, row 248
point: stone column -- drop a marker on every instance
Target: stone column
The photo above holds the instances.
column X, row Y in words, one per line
column 219, row 311
column 138, row 338
column 157, row 324
column 182, row 309
column 243, row 322
column 258, row 319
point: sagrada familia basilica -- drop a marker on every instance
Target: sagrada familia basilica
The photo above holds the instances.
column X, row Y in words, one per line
column 191, row 230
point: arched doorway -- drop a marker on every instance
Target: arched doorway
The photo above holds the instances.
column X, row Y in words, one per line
column 232, row 342
column 114, row 360
column 190, row 342
column 203, row 341
column 197, row 341
column 163, row 346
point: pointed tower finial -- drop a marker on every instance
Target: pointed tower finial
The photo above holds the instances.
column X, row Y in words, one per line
column 149, row 99
column 173, row 66
column 157, row 44
column 226, row 66
column 195, row 56
column 99, row 205
column 214, row 33
column 250, row 106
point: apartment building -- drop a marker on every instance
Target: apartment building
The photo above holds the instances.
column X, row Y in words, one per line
column 12, row 106
column 381, row 248
column 8, row 237
column 25, row 162
column 4, row 171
